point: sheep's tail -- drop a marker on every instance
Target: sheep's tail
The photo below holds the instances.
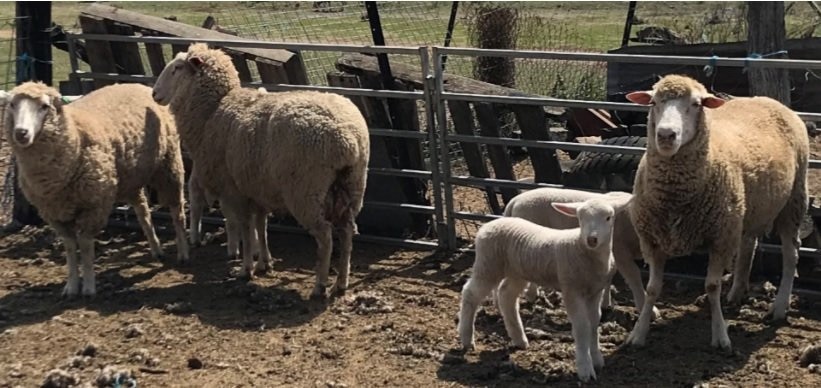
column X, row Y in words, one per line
column 345, row 196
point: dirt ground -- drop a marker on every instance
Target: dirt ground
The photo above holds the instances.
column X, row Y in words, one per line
column 168, row 325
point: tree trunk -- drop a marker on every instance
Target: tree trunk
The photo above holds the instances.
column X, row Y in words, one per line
column 766, row 34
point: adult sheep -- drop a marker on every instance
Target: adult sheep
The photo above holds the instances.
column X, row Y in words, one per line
column 302, row 152
column 716, row 176
column 76, row 161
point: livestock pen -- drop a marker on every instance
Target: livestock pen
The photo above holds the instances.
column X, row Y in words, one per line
column 162, row 325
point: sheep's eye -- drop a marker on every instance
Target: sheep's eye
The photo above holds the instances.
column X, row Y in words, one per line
column 11, row 105
column 44, row 107
column 696, row 104
column 608, row 218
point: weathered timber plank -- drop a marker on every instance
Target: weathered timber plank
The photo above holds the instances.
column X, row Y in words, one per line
column 463, row 124
column 156, row 58
column 533, row 124
column 293, row 65
column 126, row 54
column 271, row 72
column 499, row 157
column 99, row 52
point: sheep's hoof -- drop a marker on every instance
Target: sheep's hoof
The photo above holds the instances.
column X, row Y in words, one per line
column 319, row 292
column 262, row 267
column 772, row 317
column 70, row 291
column 723, row 345
column 340, row 290
column 586, row 374
column 519, row 345
column 159, row 256
column 245, row 274
column 656, row 314
column 634, row 340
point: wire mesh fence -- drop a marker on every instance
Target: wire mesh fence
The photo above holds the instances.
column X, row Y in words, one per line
column 8, row 78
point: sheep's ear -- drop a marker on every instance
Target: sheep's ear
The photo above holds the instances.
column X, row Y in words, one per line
column 5, row 97
column 568, row 209
column 641, row 98
column 195, row 62
column 712, row 101
column 57, row 102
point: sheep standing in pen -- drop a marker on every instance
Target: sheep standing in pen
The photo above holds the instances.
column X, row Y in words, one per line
column 302, row 152
column 512, row 251
column 536, row 206
column 716, row 176
column 76, row 161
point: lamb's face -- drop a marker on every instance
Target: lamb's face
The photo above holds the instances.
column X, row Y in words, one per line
column 673, row 121
column 175, row 76
column 25, row 115
column 596, row 217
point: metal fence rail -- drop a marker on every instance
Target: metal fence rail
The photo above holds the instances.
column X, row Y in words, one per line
column 434, row 96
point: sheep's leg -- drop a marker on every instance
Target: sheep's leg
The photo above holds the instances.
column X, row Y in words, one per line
column 789, row 252
column 343, row 269
column 628, row 269
column 140, row 205
column 532, row 292
column 594, row 316
column 233, row 235
column 606, row 300
column 474, row 292
column 712, row 285
column 264, row 259
column 178, row 219
column 323, row 234
column 195, row 208
column 656, row 260
column 741, row 272
column 508, row 293
column 72, row 287
column 248, row 230
column 577, row 313
column 86, row 244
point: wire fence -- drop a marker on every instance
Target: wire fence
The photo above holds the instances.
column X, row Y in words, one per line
column 8, row 78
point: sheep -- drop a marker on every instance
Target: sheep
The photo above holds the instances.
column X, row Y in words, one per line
column 512, row 251
column 301, row 152
column 716, row 176
column 199, row 200
column 75, row 161
column 535, row 206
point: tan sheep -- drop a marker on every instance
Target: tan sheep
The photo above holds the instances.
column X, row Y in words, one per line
column 301, row 152
column 75, row 161
column 716, row 176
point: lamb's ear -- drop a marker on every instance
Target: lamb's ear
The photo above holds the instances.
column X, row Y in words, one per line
column 568, row 209
column 619, row 202
column 641, row 98
column 712, row 101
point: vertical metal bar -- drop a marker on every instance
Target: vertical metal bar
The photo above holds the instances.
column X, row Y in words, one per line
column 433, row 148
column 438, row 77
column 628, row 24
column 454, row 9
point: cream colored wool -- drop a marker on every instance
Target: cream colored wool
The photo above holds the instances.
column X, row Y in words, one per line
column 742, row 174
column 301, row 152
column 103, row 148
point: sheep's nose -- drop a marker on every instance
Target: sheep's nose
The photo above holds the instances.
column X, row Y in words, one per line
column 592, row 241
column 665, row 135
column 21, row 135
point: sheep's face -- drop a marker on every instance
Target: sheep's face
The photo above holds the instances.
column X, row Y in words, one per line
column 25, row 116
column 176, row 76
column 596, row 217
column 673, row 121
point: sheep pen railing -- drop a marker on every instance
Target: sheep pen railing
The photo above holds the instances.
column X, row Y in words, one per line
column 453, row 114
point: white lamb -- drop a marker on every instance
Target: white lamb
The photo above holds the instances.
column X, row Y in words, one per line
column 514, row 251
column 535, row 206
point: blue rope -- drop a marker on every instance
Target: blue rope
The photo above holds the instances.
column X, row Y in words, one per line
column 710, row 67
column 759, row 56
column 25, row 66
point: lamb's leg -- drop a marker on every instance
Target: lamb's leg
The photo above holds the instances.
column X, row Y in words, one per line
column 86, row 244
column 741, row 272
column 140, row 205
column 474, row 292
column 72, row 287
column 508, row 293
column 712, row 285
column 789, row 252
column 178, row 219
column 343, row 269
column 594, row 317
column 322, row 231
column 606, row 300
column 626, row 265
column 264, row 258
column 656, row 260
column 577, row 313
